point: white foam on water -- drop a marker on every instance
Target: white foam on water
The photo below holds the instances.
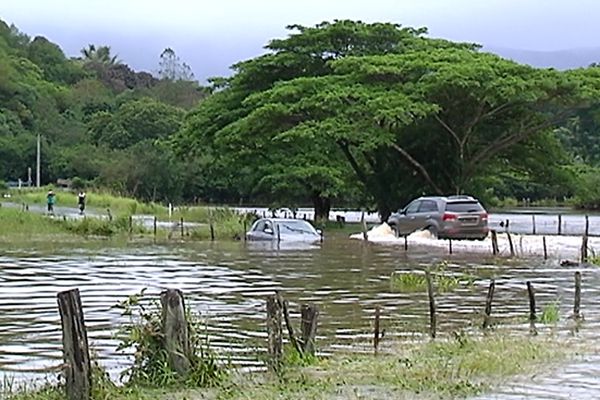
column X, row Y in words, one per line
column 564, row 246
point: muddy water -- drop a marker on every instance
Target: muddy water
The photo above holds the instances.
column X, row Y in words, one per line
column 228, row 282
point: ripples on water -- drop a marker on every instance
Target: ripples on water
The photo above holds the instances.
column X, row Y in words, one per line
column 228, row 283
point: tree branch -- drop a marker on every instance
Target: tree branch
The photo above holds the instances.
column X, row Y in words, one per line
column 418, row 166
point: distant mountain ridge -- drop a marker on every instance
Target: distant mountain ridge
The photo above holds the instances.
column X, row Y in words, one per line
column 559, row 59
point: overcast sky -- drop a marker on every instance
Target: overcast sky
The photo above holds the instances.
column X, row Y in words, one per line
column 211, row 35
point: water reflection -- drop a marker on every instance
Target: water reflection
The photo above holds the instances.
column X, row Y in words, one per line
column 228, row 282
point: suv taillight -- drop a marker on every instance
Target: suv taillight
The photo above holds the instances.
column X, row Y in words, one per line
column 449, row 217
column 484, row 216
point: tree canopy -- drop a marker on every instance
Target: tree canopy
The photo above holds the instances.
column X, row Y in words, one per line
column 403, row 113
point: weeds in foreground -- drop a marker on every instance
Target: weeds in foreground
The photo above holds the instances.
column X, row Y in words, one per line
column 151, row 365
column 550, row 313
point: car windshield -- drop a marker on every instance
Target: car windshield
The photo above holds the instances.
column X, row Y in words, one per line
column 464, row 206
column 300, row 227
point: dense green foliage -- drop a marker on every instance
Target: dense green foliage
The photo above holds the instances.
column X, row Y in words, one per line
column 344, row 113
column 98, row 120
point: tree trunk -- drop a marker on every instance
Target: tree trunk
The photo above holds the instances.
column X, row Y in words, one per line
column 322, row 206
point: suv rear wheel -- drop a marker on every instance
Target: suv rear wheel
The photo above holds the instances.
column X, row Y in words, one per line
column 433, row 230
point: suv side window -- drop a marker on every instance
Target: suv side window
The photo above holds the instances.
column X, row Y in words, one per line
column 413, row 207
column 428, row 206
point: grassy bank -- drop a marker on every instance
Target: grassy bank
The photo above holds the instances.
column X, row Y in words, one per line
column 457, row 368
column 109, row 216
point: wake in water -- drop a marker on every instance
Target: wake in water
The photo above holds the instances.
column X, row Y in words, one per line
column 563, row 247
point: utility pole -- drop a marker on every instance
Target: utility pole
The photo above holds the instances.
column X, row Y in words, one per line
column 38, row 159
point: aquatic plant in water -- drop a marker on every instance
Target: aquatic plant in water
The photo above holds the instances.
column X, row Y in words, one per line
column 415, row 281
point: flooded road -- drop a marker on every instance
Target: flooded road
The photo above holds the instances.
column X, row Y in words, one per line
column 228, row 283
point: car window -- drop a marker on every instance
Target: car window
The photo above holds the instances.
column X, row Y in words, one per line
column 259, row 227
column 464, row 206
column 297, row 226
column 428, row 206
column 413, row 207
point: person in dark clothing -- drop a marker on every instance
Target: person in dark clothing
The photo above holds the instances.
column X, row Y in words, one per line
column 81, row 201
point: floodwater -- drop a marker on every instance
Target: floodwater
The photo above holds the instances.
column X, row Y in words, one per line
column 227, row 283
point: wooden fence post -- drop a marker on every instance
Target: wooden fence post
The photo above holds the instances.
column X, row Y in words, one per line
column 310, row 314
column 510, row 244
column 130, row 225
column 532, row 316
column 78, row 370
column 495, row 250
column 405, row 243
column 275, row 341
column 181, row 223
column 155, row 226
column 488, row 305
column 533, row 222
column 450, row 246
column 577, row 301
column 175, row 330
column 212, row 231
column 245, row 230
column 288, row 323
column 587, row 225
column 559, row 224
column 584, row 248
column 545, row 248
column 376, row 329
column 432, row 317
column 364, row 226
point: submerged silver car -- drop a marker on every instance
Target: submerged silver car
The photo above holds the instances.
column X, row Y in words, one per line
column 452, row 217
column 283, row 229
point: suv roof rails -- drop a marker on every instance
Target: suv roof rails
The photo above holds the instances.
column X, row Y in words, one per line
column 461, row 197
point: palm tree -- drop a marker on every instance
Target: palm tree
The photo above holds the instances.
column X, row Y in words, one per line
column 101, row 55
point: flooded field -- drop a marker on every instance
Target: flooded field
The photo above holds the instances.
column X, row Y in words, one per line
column 228, row 283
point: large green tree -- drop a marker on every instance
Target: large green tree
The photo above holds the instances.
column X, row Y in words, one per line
column 254, row 150
column 409, row 114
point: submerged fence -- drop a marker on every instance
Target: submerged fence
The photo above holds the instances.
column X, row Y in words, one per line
column 76, row 355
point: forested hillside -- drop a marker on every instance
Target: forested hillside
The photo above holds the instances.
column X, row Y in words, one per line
column 340, row 114
column 98, row 120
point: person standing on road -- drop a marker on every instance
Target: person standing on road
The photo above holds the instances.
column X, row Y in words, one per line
column 81, row 201
column 50, row 200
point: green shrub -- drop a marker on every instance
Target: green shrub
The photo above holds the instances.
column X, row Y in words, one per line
column 151, row 366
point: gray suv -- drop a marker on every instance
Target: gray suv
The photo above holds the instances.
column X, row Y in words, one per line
column 452, row 217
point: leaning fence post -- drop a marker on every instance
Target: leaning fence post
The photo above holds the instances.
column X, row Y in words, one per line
column 78, row 370
column 510, row 244
column 488, row 305
column 175, row 330
column 432, row 318
column 309, row 314
column 495, row 250
column 288, row 323
column 376, row 329
column 275, row 341
column 577, row 302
